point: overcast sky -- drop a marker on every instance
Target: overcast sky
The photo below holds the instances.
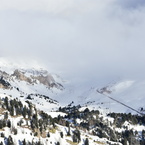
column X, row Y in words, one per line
column 85, row 39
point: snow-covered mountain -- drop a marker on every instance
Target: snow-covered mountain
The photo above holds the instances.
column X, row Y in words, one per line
column 39, row 104
column 37, row 86
column 49, row 91
column 21, row 123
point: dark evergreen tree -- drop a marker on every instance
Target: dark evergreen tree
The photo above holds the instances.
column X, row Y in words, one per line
column 143, row 134
column 6, row 115
column 24, row 142
column 68, row 133
column 11, row 102
column 18, row 111
column 61, row 134
column 86, row 141
column 20, row 122
column 15, row 131
column 57, row 143
column 35, row 120
column 32, row 124
column 6, row 102
column 1, row 124
column 38, row 143
column 74, row 137
column 10, row 141
column 40, row 128
column 9, row 123
column 53, row 123
column 35, row 134
column 4, row 123
column 2, row 135
column 24, row 112
column 78, row 135
column 124, row 141
column 11, row 110
column 67, row 124
column 29, row 111
column 48, row 134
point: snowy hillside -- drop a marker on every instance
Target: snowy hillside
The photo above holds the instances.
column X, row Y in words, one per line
column 33, row 84
column 49, row 91
column 21, row 123
column 38, row 107
column 125, row 95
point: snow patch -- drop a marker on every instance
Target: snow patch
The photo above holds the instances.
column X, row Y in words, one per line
column 122, row 86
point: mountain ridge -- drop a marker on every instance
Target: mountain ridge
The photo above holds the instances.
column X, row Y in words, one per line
column 23, row 82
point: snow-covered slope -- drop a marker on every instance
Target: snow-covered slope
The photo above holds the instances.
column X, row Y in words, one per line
column 71, row 109
column 21, row 123
column 33, row 84
column 124, row 95
column 49, row 91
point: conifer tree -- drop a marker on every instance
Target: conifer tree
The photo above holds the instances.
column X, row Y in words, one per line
column 1, row 124
column 74, row 138
column 10, row 141
column 9, row 123
column 6, row 102
column 48, row 134
column 86, row 141
column 6, row 115
column 24, row 142
column 68, row 133
column 57, row 143
column 24, row 112
column 61, row 134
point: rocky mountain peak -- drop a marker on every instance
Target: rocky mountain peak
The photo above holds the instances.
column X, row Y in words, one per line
column 31, row 77
column 21, row 76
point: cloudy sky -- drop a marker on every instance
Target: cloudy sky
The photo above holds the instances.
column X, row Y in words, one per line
column 81, row 39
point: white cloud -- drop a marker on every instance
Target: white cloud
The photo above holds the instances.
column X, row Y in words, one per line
column 88, row 39
column 36, row 5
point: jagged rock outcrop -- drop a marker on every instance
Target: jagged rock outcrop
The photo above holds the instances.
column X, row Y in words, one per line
column 33, row 78
column 4, row 74
column 45, row 80
column 4, row 84
column 20, row 76
column 48, row 81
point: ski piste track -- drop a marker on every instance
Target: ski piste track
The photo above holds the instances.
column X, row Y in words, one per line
column 120, row 103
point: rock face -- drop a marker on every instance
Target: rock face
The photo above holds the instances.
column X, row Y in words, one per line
column 4, row 74
column 29, row 77
column 46, row 80
column 4, row 84
column 20, row 76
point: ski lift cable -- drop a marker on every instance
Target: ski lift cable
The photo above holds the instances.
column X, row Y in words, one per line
column 120, row 103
